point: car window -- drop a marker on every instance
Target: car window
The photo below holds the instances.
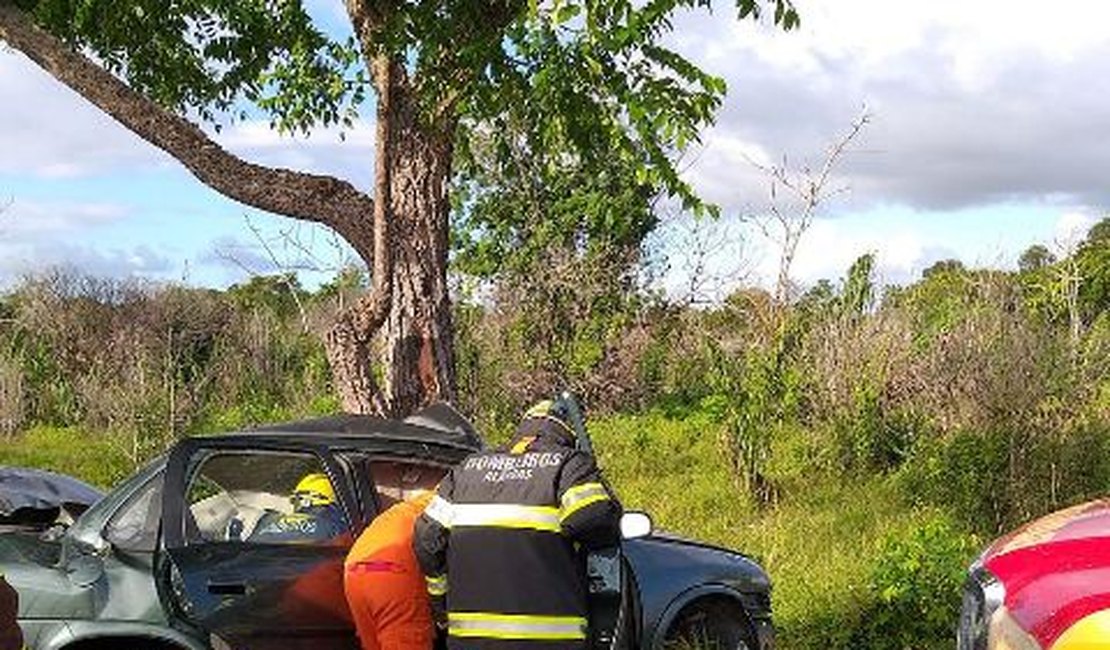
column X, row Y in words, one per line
column 264, row 497
column 134, row 527
column 398, row 480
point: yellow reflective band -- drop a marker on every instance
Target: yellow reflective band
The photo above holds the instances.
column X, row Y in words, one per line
column 522, row 445
column 503, row 515
column 441, row 511
column 437, row 585
column 515, row 626
column 580, row 496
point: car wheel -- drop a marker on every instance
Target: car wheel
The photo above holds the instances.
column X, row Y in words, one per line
column 713, row 625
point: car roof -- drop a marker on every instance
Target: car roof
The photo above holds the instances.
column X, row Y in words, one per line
column 440, row 425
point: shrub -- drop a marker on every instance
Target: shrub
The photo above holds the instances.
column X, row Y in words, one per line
column 101, row 460
column 916, row 588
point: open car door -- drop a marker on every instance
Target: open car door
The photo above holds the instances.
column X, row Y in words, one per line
column 610, row 577
column 611, row 601
column 242, row 561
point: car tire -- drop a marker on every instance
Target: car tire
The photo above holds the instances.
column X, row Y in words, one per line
column 713, row 625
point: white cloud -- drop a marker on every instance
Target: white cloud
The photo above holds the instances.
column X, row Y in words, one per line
column 257, row 134
column 19, row 260
column 871, row 32
column 831, row 246
column 345, row 153
column 973, row 103
column 49, row 131
column 52, row 133
column 26, row 220
column 1071, row 229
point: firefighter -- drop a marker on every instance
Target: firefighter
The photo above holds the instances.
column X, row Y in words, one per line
column 384, row 585
column 316, row 516
column 503, row 543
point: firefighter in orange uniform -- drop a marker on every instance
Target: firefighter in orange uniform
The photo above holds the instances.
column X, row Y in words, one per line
column 385, row 587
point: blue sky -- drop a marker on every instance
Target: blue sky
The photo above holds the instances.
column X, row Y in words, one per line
column 987, row 135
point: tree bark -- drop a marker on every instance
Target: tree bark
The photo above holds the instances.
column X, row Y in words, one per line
column 418, row 355
column 409, row 305
column 348, row 342
column 415, row 336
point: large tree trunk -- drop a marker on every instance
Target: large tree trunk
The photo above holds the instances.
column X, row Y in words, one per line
column 408, row 307
column 418, row 352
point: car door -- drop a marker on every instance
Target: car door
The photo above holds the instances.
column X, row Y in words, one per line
column 610, row 581
column 611, row 600
column 239, row 564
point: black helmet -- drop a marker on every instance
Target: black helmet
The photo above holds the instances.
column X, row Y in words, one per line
column 547, row 416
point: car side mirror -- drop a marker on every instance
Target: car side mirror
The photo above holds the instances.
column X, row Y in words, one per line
column 635, row 524
column 99, row 546
column 90, row 541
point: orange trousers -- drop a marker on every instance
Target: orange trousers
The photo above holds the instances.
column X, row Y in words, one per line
column 385, row 588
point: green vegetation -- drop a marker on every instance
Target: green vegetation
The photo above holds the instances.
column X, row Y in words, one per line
column 852, row 563
column 862, row 444
column 98, row 459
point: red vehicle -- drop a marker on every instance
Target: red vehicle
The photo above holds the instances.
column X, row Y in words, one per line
column 1045, row 586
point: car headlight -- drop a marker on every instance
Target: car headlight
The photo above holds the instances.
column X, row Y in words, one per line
column 983, row 595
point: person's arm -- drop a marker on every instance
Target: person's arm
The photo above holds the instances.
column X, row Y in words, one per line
column 589, row 513
column 429, row 543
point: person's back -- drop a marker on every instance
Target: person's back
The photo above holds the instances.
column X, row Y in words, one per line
column 517, row 521
column 384, row 585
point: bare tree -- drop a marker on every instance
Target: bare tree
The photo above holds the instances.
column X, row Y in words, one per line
column 288, row 253
column 1068, row 280
column 709, row 256
column 795, row 198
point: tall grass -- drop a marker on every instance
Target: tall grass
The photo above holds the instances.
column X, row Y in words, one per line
column 823, row 543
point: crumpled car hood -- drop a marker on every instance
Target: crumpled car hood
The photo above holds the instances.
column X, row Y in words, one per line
column 26, row 489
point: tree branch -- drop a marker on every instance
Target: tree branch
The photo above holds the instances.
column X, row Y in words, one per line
column 309, row 197
column 370, row 311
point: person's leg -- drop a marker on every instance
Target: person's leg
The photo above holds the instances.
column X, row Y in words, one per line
column 359, row 587
column 404, row 618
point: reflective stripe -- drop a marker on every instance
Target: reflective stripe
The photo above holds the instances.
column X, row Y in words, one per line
column 441, row 511
column 522, row 445
column 515, row 626
column 503, row 515
column 580, row 496
column 437, row 585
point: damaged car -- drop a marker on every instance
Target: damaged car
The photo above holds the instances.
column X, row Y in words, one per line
column 34, row 501
column 176, row 557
